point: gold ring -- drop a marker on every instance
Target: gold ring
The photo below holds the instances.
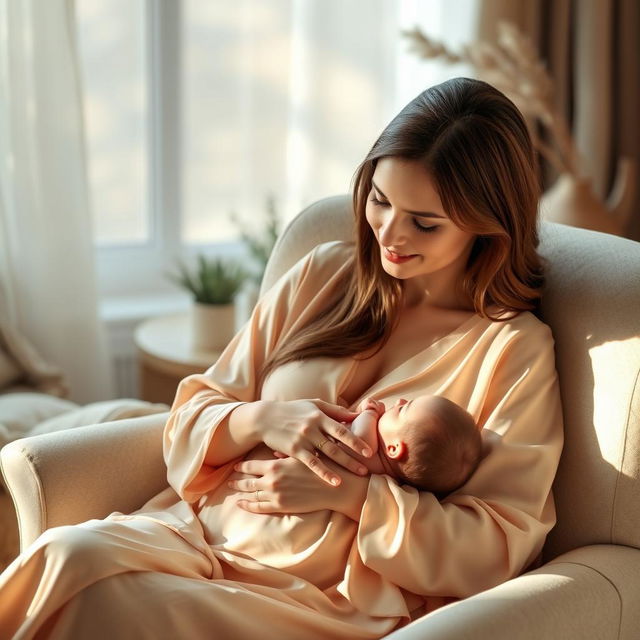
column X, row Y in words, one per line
column 257, row 495
column 319, row 446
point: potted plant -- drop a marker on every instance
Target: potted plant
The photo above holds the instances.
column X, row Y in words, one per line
column 213, row 284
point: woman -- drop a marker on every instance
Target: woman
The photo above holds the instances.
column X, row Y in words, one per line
column 435, row 297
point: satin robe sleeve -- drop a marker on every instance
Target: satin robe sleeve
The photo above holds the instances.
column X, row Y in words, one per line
column 204, row 401
column 496, row 524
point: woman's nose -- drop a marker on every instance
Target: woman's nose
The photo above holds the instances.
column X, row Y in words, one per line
column 390, row 232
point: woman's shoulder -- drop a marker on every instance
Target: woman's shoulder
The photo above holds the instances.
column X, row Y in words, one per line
column 321, row 262
column 327, row 258
column 515, row 343
column 337, row 251
column 523, row 326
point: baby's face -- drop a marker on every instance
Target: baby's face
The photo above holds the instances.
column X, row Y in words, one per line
column 404, row 415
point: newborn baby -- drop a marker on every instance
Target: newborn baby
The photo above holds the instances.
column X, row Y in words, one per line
column 429, row 442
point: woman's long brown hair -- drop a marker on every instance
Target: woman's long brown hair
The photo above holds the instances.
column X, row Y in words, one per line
column 475, row 145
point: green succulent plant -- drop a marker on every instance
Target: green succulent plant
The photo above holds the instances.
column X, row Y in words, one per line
column 214, row 281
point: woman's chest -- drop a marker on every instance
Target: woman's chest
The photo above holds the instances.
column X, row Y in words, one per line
column 413, row 346
column 313, row 378
column 415, row 334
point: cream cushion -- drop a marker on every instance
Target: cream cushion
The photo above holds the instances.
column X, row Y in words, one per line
column 97, row 412
column 592, row 304
column 20, row 413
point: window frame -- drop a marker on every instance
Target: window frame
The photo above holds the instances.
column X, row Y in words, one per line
column 140, row 269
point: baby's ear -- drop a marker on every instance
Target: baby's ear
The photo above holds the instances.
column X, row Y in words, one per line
column 396, row 450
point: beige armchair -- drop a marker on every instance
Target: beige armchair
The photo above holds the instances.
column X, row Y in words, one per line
column 590, row 584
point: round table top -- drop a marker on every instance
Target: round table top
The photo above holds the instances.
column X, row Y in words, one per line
column 168, row 338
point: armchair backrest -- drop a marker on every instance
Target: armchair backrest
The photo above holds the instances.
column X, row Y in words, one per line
column 592, row 304
column 325, row 220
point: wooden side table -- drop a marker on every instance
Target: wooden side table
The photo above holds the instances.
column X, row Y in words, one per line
column 166, row 355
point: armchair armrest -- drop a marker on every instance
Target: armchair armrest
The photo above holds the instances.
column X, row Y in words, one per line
column 74, row 475
column 591, row 592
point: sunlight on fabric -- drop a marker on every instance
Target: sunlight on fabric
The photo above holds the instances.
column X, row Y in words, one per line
column 613, row 389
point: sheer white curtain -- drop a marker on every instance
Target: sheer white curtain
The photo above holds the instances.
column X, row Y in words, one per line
column 281, row 97
column 287, row 96
column 47, row 268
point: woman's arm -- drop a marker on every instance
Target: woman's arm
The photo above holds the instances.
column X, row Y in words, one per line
column 217, row 416
column 287, row 486
column 296, row 428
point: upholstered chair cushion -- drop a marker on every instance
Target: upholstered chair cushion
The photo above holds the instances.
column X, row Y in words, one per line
column 592, row 304
column 20, row 413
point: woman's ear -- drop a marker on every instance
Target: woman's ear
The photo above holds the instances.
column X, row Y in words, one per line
column 396, row 450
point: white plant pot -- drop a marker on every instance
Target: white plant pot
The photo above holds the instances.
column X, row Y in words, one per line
column 212, row 326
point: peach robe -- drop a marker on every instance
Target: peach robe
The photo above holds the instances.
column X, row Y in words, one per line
column 191, row 547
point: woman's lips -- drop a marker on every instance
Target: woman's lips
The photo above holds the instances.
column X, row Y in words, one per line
column 396, row 258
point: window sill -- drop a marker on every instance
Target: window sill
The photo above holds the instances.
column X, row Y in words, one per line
column 129, row 309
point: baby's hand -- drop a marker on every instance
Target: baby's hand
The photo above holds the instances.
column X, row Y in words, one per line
column 372, row 404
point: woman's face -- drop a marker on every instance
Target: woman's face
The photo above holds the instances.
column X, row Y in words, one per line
column 416, row 237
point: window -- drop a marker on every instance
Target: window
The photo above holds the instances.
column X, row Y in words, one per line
column 196, row 109
column 112, row 47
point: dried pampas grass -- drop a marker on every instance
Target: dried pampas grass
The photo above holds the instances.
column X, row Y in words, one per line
column 513, row 66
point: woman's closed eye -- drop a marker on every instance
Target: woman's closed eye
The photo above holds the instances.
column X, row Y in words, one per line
column 422, row 228
column 378, row 203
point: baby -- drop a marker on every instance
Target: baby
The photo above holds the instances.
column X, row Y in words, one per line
column 429, row 442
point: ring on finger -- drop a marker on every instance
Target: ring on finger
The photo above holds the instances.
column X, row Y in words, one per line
column 319, row 446
column 257, row 495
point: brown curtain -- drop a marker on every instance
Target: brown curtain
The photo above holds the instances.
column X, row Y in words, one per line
column 592, row 51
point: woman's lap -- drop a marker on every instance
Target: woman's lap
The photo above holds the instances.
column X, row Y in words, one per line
column 64, row 561
column 151, row 605
column 136, row 577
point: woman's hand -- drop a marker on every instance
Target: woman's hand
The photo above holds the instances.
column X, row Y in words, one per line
column 288, row 486
column 303, row 428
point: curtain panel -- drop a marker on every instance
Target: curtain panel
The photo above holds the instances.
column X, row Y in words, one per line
column 591, row 51
column 48, row 272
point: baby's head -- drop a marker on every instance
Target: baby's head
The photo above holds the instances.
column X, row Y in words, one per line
column 430, row 442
